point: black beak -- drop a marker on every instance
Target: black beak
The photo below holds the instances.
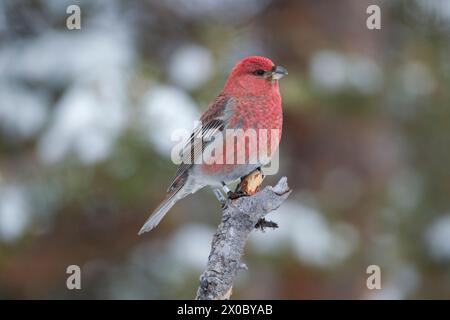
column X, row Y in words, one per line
column 279, row 72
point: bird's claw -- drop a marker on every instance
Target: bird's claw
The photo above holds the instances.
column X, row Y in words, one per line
column 236, row 195
column 263, row 223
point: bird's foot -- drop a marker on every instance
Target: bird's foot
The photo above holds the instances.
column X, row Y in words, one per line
column 263, row 223
column 220, row 197
column 236, row 195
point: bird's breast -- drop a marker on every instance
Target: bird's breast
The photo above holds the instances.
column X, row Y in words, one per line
column 250, row 138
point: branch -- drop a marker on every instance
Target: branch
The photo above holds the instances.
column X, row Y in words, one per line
column 240, row 217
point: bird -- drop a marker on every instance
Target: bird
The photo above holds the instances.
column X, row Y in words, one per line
column 249, row 100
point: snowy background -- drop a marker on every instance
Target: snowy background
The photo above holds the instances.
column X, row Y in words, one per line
column 86, row 119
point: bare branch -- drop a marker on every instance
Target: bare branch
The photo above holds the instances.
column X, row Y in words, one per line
column 239, row 218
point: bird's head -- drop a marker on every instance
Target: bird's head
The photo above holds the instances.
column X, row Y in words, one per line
column 255, row 75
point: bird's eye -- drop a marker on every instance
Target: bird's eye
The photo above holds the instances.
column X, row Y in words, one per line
column 259, row 72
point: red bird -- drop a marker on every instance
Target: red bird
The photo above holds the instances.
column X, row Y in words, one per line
column 250, row 100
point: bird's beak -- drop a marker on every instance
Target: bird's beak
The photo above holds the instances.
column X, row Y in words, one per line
column 278, row 72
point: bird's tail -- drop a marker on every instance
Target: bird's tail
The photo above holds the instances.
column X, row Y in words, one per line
column 179, row 189
column 159, row 213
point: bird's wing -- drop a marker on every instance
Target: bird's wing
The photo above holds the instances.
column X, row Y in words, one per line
column 214, row 120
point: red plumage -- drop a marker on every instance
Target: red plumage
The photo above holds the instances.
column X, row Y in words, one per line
column 250, row 100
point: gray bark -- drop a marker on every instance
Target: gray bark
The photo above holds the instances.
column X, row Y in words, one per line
column 239, row 219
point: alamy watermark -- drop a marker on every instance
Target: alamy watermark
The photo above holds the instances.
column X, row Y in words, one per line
column 73, row 21
column 374, row 280
column 73, row 281
column 373, row 21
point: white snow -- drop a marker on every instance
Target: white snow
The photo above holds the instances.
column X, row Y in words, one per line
column 87, row 121
column 334, row 71
column 437, row 237
column 14, row 212
column 22, row 112
column 190, row 66
column 166, row 109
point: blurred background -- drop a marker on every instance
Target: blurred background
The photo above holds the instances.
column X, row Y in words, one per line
column 86, row 118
